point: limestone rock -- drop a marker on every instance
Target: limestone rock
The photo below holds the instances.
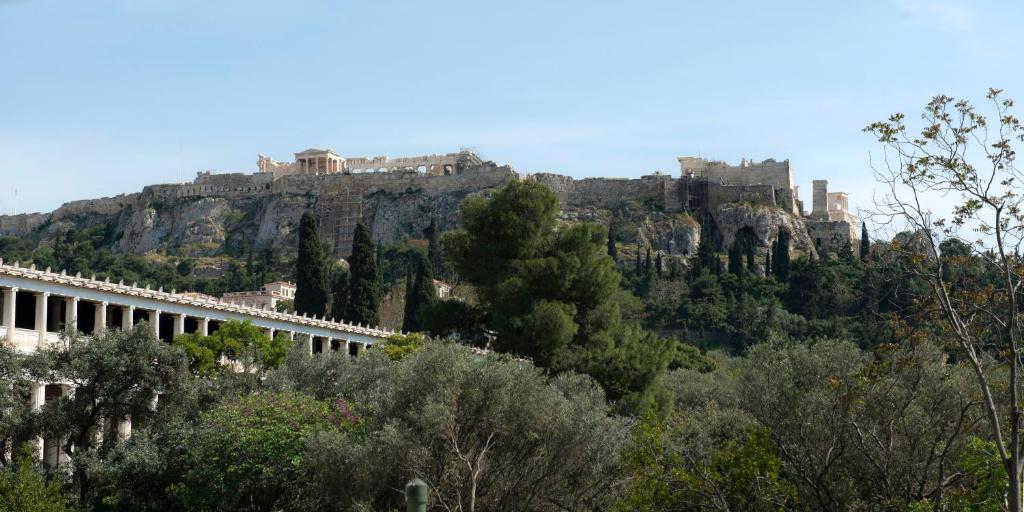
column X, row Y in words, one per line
column 765, row 221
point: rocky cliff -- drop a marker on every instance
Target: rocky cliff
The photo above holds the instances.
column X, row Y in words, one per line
column 230, row 213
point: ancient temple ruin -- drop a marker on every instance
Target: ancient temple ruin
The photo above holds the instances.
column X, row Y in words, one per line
column 326, row 161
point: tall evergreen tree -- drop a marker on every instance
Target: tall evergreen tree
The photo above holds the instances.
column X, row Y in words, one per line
column 340, row 294
column 657, row 264
column 613, row 250
column 781, row 261
column 647, row 262
column 865, row 242
column 364, row 283
column 311, row 291
column 735, row 259
column 639, row 266
column 435, row 253
column 420, row 298
column 748, row 247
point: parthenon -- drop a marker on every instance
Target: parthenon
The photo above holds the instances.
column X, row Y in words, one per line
column 326, row 161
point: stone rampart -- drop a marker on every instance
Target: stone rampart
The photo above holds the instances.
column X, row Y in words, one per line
column 22, row 223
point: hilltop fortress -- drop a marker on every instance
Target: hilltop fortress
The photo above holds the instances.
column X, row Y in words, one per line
column 397, row 197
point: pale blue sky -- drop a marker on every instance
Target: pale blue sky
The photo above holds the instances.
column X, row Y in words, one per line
column 96, row 96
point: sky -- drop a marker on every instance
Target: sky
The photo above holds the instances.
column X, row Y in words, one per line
column 103, row 97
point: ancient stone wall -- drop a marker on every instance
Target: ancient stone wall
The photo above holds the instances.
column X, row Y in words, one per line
column 22, row 223
column 768, row 172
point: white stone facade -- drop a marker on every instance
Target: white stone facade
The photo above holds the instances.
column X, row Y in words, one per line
column 267, row 297
column 326, row 161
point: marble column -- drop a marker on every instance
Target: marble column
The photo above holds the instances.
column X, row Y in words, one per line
column 38, row 399
column 42, row 298
column 127, row 317
column 204, row 327
column 100, row 322
column 10, row 296
column 179, row 324
column 71, row 316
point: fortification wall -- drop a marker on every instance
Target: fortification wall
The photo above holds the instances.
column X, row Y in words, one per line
column 103, row 206
column 833, row 236
column 758, row 194
column 22, row 223
column 768, row 172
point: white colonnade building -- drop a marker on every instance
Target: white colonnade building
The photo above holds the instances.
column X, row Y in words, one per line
column 39, row 305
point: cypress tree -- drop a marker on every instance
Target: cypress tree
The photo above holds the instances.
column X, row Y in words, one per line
column 748, row 245
column 364, row 283
column 420, row 298
column 340, row 292
column 310, row 273
column 735, row 259
column 613, row 251
column 639, row 268
column 865, row 242
column 781, row 263
column 657, row 264
column 647, row 262
column 434, row 250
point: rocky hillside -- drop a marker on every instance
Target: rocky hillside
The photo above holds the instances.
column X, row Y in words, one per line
column 232, row 213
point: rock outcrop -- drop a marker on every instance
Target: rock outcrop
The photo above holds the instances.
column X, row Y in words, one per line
column 764, row 221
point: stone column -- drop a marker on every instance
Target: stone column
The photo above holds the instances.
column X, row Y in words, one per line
column 124, row 429
column 179, row 324
column 154, row 322
column 204, row 327
column 10, row 295
column 127, row 317
column 71, row 317
column 101, row 317
column 41, row 303
column 271, row 332
column 291, row 335
column 38, row 399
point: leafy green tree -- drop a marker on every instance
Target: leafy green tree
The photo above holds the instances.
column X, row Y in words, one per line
column 364, row 283
column 552, row 294
column 242, row 343
column 117, row 374
column 420, row 298
column 311, row 293
column 488, row 432
column 23, row 489
column 401, row 345
column 247, row 453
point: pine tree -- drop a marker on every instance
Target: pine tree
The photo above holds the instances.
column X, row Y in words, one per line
column 364, row 282
column 340, row 292
column 310, row 273
column 865, row 242
column 613, row 251
column 420, row 298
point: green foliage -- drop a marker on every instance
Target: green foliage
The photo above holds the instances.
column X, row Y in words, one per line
column 420, row 298
column 865, row 242
column 339, row 294
column 241, row 342
column 553, row 295
column 613, row 249
column 364, row 284
column 23, row 489
column 247, row 454
column 311, row 293
column 401, row 345
column 523, row 440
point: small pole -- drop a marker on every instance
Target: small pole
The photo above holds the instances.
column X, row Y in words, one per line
column 416, row 494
